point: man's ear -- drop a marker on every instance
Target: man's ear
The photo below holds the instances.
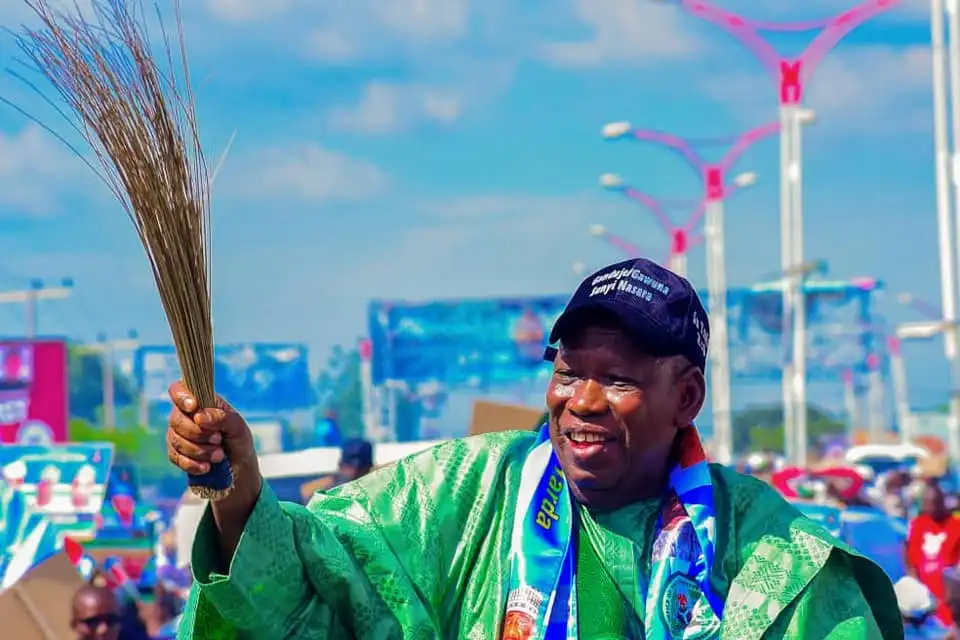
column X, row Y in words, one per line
column 692, row 388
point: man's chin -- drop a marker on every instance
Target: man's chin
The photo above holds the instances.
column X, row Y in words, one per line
column 591, row 481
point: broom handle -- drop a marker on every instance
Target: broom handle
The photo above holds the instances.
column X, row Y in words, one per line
column 218, row 479
column 216, row 483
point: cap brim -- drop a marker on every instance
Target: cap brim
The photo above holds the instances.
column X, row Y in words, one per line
column 651, row 340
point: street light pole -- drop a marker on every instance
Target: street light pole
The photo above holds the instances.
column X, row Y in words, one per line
column 898, row 371
column 31, row 296
column 621, row 244
column 712, row 207
column 948, row 274
column 791, row 75
column 679, row 236
column 925, row 330
column 680, row 240
column 720, row 342
column 850, row 404
column 875, row 400
column 106, row 349
column 719, row 322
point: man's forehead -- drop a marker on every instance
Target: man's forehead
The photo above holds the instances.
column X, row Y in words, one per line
column 94, row 597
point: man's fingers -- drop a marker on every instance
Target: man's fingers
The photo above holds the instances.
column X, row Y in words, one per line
column 186, row 464
column 194, row 451
column 187, row 427
column 182, row 398
column 191, row 457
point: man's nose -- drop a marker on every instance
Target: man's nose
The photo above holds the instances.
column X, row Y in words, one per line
column 590, row 399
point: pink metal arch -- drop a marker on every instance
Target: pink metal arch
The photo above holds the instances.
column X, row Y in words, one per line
column 924, row 308
column 790, row 73
column 680, row 243
column 682, row 239
column 712, row 174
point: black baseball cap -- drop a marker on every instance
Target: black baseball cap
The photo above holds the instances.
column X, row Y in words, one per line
column 659, row 309
column 357, row 452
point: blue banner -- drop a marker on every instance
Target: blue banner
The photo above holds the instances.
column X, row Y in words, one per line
column 265, row 378
column 462, row 343
column 496, row 343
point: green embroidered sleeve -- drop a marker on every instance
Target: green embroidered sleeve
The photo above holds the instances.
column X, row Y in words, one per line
column 389, row 556
column 834, row 606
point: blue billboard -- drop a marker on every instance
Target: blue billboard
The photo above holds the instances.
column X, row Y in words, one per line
column 842, row 330
column 496, row 343
column 462, row 343
column 267, row 378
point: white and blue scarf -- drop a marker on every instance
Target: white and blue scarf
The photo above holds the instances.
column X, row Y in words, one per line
column 679, row 603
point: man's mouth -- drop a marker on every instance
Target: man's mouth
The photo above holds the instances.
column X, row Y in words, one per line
column 585, row 437
column 586, row 443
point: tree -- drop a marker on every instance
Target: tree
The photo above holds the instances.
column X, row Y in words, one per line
column 761, row 427
column 340, row 391
column 136, row 444
column 85, row 383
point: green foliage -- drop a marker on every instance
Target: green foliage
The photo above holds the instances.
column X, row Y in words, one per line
column 341, row 391
column 761, row 427
column 136, row 444
column 85, row 384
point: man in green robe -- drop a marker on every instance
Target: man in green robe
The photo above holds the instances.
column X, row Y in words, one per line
column 607, row 523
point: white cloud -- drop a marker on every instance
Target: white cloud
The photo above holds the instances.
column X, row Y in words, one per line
column 847, row 91
column 484, row 206
column 307, row 172
column 387, row 108
column 36, row 171
column 248, row 10
column 331, row 45
column 489, row 244
column 424, row 20
column 359, row 25
column 623, row 31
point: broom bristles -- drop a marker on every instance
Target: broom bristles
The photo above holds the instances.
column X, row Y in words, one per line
column 139, row 120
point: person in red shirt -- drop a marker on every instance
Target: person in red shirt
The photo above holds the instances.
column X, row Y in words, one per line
column 933, row 545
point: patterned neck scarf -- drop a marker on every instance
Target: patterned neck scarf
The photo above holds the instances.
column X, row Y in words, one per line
column 542, row 599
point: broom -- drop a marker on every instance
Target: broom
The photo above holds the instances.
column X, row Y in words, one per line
column 139, row 120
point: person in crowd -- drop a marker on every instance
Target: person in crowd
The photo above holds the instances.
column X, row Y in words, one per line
column 96, row 613
column 326, row 432
column 933, row 545
column 918, row 608
column 163, row 617
column 895, row 498
column 605, row 523
column 951, row 598
column 356, row 461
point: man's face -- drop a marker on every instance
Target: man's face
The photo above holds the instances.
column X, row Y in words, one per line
column 351, row 472
column 614, row 413
column 96, row 615
column 932, row 502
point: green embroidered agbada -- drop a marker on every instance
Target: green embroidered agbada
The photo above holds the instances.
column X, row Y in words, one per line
column 419, row 549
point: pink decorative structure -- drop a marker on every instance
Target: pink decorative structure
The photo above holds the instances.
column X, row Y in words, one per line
column 791, row 74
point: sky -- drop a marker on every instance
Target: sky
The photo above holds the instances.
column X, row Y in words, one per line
column 420, row 149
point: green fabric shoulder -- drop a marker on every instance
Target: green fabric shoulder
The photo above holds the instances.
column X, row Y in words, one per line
column 787, row 577
column 352, row 564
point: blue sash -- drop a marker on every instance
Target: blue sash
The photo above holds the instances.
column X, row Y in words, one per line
column 542, row 598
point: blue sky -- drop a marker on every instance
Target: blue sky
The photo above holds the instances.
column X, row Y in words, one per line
column 451, row 148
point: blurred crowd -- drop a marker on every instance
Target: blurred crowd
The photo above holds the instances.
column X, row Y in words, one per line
column 111, row 606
